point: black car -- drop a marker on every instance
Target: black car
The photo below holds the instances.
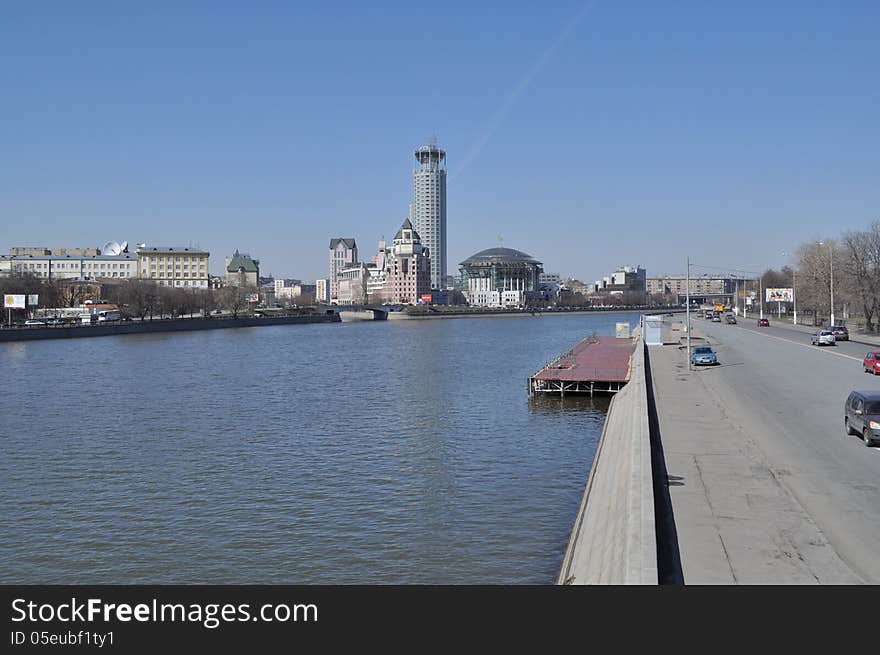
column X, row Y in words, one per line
column 840, row 333
column 730, row 318
column 861, row 415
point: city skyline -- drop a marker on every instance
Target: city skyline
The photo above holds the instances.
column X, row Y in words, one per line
column 587, row 135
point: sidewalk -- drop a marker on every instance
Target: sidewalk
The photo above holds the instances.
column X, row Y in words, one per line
column 735, row 523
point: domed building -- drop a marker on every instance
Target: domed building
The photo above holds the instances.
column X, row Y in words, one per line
column 500, row 277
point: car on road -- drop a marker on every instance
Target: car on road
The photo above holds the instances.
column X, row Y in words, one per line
column 871, row 362
column 840, row 333
column 763, row 322
column 730, row 318
column 704, row 356
column 823, row 338
column 861, row 415
column 716, row 319
column 34, row 323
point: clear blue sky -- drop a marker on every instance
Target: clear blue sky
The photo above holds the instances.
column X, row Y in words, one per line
column 587, row 134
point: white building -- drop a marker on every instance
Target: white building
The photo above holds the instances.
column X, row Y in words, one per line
column 428, row 210
column 322, row 290
column 549, row 278
column 72, row 267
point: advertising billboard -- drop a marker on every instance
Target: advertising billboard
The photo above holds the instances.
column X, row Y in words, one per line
column 11, row 301
column 780, row 295
column 252, row 297
column 33, row 300
column 426, row 297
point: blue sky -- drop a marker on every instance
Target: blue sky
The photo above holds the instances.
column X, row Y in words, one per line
column 589, row 135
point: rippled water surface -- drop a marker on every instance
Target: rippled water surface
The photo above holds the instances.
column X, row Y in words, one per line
column 388, row 452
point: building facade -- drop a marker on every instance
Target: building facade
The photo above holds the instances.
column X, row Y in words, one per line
column 408, row 267
column 677, row 285
column 352, row 285
column 242, row 270
column 501, row 277
column 343, row 255
column 428, row 210
column 626, row 279
column 322, row 290
column 173, row 266
column 72, row 267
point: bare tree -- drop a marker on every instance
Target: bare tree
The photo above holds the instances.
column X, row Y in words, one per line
column 860, row 267
column 233, row 299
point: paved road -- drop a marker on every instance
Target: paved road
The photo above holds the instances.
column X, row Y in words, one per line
column 788, row 397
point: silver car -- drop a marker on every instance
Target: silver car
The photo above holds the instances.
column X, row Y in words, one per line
column 823, row 338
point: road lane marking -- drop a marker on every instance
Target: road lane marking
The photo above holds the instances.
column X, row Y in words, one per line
column 805, row 345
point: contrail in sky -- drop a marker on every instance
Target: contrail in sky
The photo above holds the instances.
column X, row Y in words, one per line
column 521, row 86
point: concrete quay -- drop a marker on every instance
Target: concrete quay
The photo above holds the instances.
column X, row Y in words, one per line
column 614, row 538
column 148, row 327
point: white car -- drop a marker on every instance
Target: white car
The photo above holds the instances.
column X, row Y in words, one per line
column 34, row 323
column 823, row 338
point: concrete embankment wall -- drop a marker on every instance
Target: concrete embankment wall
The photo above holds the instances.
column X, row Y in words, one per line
column 144, row 327
column 613, row 540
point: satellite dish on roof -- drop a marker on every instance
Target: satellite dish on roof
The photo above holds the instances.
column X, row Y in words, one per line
column 124, row 246
column 111, row 248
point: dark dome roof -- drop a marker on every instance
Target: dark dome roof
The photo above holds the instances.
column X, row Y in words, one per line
column 492, row 255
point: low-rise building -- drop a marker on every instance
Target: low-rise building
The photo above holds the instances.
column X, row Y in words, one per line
column 705, row 284
column 72, row 267
column 242, row 270
column 626, row 279
column 173, row 266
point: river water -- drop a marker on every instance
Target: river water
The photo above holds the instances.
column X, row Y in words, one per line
column 383, row 452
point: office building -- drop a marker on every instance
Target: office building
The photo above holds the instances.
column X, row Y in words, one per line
column 343, row 255
column 428, row 209
column 173, row 266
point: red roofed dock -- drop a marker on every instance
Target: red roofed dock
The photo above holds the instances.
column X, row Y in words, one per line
column 594, row 365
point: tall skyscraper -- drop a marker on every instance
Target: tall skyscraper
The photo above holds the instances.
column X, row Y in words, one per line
column 428, row 209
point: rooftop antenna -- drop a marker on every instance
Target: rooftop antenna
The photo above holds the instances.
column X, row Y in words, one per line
column 500, row 240
column 433, row 140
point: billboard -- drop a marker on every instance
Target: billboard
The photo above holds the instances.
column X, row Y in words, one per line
column 11, row 301
column 33, row 300
column 252, row 297
column 426, row 297
column 780, row 295
column 621, row 330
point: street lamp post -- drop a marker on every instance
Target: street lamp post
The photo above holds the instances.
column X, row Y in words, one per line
column 831, row 265
column 793, row 291
column 688, row 312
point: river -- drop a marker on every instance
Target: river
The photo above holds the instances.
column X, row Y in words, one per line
column 392, row 452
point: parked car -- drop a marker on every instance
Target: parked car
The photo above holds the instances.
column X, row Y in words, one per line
column 861, row 415
column 763, row 322
column 822, row 338
column 34, row 323
column 716, row 318
column 730, row 318
column 704, row 356
column 871, row 362
column 840, row 332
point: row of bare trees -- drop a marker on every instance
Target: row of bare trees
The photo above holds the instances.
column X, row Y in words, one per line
column 137, row 298
column 848, row 266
